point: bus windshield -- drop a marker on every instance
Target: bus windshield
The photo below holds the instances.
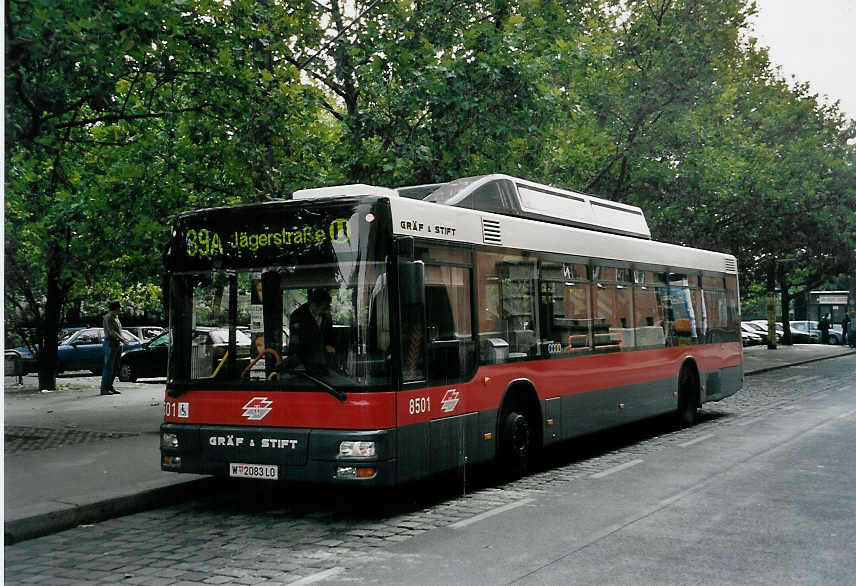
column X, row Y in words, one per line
column 275, row 326
column 280, row 296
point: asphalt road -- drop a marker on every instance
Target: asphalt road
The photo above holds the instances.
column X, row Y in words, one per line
column 761, row 491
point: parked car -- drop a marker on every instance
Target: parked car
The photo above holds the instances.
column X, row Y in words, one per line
column 805, row 332
column 209, row 346
column 761, row 328
column 67, row 332
column 30, row 356
column 145, row 333
column 750, row 335
column 29, row 361
column 84, row 350
column 836, row 334
column 147, row 361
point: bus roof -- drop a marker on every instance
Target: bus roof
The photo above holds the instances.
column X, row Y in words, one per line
column 511, row 196
column 436, row 222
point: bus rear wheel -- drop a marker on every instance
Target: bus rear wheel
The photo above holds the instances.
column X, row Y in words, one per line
column 688, row 396
column 517, row 442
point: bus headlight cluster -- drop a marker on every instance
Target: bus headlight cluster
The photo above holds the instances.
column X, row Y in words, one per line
column 169, row 440
column 360, row 449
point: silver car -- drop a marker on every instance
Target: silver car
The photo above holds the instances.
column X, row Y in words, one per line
column 836, row 334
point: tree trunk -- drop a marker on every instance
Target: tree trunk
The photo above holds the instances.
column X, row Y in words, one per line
column 49, row 330
column 771, row 306
column 787, row 339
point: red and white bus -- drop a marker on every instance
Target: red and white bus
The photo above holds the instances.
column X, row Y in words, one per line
column 470, row 321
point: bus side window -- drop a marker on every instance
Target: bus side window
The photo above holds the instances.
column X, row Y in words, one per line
column 507, row 301
column 648, row 310
column 565, row 315
column 613, row 318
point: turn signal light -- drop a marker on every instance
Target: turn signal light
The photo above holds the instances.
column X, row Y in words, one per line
column 355, row 472
column 171, row 461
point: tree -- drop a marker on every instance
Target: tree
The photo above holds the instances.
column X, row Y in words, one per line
column 73, row 71
column 666, row 58
column 123, row 114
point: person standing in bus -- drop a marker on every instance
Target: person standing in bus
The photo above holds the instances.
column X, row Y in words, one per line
column 112, row 348
column 311, row 333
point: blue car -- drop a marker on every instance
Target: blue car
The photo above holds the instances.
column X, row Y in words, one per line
column 25, row 356
column 84, row 350
column 30, row 358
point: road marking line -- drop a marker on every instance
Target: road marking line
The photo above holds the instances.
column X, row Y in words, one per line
column 491, row 513
column 848, row 414
column 789, row 407
column 317, row 576
column 618, row 468
column 750, row 421
column 696, row 440
column 791, row 378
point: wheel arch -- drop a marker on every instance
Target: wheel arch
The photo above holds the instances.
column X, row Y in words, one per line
column 521, row 394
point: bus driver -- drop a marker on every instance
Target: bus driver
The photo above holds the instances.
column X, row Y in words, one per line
column 311, row 334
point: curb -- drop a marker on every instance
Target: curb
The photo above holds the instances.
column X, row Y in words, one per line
column 53, row 522
column 789, row 364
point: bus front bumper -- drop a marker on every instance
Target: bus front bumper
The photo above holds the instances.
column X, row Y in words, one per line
column 305, row 455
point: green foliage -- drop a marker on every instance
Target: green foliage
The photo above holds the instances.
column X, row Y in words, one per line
column 123, row 113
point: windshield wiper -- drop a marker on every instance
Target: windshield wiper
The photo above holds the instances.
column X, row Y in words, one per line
column 335, row 392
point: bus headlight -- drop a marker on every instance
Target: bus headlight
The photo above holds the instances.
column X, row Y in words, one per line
column 169, row 440
column 360, row 449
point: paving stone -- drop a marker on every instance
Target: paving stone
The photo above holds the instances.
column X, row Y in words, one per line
column 214, row 540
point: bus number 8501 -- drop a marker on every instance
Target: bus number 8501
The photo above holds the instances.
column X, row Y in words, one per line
column 420, row 405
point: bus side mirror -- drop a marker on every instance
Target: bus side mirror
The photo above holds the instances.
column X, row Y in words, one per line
column 406, row 247
column 411, row 276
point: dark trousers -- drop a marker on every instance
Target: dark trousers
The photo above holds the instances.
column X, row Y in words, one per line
column 112, row 352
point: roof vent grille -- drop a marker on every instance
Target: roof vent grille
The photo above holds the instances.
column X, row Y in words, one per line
column 491, row 232
column 730, row 265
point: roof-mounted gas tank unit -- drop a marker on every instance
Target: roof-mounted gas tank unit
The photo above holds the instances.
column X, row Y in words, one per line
column 510, row 196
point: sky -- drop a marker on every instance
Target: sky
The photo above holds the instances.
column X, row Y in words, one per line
column 814, row 40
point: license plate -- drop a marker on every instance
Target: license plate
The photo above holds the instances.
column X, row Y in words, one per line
column 262, row 471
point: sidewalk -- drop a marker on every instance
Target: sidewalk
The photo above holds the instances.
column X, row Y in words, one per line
column 73, row 457
column 758, row 359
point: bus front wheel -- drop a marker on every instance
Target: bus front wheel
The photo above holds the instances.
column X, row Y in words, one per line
column 517, row 443
column 688, row 396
